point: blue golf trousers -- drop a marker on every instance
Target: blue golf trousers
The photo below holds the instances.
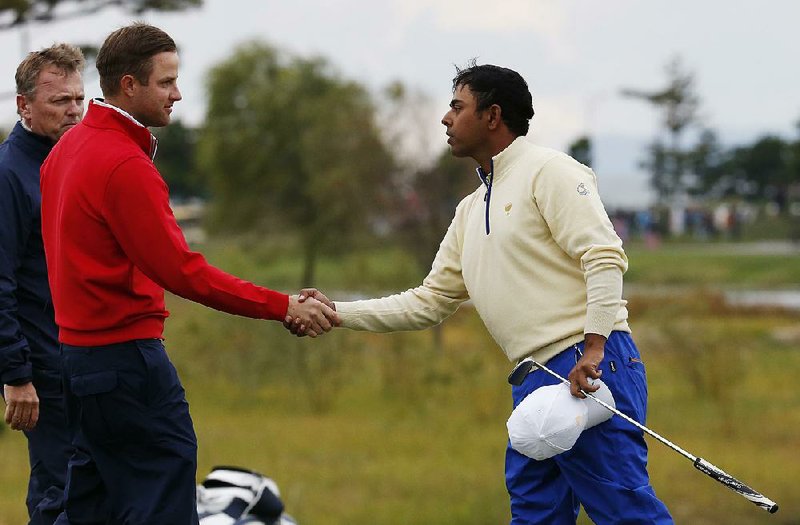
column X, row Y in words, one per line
column 134, row 457
column 48, row 450
column 606, row 469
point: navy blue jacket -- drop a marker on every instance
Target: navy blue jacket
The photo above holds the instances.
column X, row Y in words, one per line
column 28, row 332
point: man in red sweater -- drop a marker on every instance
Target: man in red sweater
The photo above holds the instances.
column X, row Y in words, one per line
column 113, row 247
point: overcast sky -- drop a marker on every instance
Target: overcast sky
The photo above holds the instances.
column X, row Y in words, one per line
column 575, row 55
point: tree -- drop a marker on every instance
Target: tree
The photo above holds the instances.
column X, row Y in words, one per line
column 708, row 162
column 679, row 104
column 426, row 205
column 657, row 163
column 289, row 144
column 17, row 12
column 763, row 165
column 793, row 162
column 581, row 150
column 410, row 127
column 428, row 181
column 176, row 160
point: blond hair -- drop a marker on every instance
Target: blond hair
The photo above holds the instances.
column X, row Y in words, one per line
column 66, row 57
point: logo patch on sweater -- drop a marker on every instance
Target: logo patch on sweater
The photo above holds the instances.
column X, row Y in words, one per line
column 507, row 208
column 583, row 190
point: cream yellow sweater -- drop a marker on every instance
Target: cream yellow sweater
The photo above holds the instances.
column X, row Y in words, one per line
column 549, row 271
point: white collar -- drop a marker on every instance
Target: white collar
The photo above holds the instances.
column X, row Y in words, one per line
column 507, row 157
column 101, row 102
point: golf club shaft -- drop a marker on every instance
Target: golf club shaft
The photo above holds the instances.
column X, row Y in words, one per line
column 699, row 463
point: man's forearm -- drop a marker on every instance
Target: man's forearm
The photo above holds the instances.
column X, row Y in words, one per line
column 414, row 309
column 603, row 299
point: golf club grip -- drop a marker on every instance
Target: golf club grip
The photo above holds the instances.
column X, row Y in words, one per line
column 735, row 485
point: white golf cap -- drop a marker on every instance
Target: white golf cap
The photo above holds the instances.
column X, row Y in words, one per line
column 550, row 420
column 597, row 413
column 547, row 422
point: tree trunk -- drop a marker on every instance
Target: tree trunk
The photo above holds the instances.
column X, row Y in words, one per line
column 310, row 253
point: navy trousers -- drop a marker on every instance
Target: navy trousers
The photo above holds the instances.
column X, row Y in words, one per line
column 134, row 457
column 606, row 469
column 48, row 450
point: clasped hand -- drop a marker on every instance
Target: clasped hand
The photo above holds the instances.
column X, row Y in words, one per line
column 310, row 313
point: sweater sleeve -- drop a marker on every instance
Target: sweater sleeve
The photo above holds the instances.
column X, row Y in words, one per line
column 566, row 193
column 427, row 305
column 136, row 207
column 15, row 220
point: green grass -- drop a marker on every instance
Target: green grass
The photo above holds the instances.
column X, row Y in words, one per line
column 389, row 429
column 711, row 265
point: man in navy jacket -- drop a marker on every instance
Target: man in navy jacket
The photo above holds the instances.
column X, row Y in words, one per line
column 49, row 102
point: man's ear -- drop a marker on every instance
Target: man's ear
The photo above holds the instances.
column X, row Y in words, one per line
column 495, row 114
column 127, row 85
column 23, row 108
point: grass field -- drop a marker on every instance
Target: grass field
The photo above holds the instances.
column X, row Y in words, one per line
column 390, row 429
column 726, row 266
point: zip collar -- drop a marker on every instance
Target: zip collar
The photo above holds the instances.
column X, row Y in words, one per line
column 505, row 158
column 138, row 129
column 486, row 179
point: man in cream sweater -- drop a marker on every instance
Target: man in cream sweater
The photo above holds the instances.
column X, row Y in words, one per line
column 536, row 252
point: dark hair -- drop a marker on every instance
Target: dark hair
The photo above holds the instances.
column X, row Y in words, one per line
column 502, row 86
column 130, row 51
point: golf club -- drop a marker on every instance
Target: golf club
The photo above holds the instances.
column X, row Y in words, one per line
column 527, row 365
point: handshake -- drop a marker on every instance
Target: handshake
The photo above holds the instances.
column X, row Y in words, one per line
column 310, row 313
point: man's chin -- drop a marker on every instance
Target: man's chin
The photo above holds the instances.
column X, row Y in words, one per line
column 456, row 152
column 157, row 123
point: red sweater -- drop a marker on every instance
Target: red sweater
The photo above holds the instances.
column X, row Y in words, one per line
column 112, row 243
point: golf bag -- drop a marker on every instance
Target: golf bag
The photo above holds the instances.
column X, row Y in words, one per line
column 237, row 496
